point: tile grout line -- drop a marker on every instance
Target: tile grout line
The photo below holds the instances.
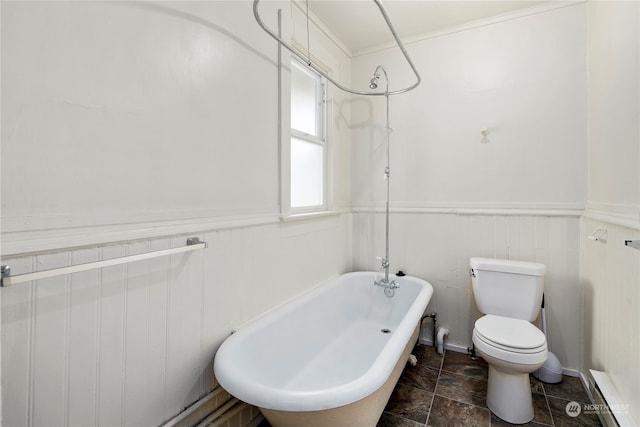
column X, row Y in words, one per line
column 455, row 400
column 546, row 400
column 433, row 395
column 464, row 375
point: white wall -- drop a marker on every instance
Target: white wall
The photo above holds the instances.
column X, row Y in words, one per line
column 614, row 134
column 139, row 93
column 523, row 79
column 516, row 194
column 610, row 270
column 128, row 127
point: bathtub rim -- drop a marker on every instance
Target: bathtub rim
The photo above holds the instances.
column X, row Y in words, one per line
column 275, row 398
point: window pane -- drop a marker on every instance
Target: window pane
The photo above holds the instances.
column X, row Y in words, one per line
column 306, row 173
column 304, row 101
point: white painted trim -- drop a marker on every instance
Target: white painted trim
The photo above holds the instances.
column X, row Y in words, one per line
column 57, row 237
column 229, row 409
column 23, row 220
column 546, row 7
column 284, row 117
column 573, row 373
column 622, row 215
column 470, row 208
column 311, row 215
column 193, row 408
column 630, row 210
column 37, row 241
column 450, row 347
column 612, row 398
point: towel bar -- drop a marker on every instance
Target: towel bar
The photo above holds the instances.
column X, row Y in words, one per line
column 193, row 244
column 633, row 243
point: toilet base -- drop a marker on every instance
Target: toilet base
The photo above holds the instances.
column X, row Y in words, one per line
column 509, row 396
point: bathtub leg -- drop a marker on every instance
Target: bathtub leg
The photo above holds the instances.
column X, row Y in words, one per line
column 413, row 360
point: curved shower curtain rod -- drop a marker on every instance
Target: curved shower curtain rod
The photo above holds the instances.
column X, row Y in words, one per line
column 307, row 60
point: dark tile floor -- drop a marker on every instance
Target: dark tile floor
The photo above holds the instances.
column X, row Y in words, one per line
column 450, row 390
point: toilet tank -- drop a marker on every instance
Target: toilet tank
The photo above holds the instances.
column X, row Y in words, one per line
column 508, row 288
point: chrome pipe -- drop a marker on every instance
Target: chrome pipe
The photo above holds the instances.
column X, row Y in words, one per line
column 387, row 171
column 388, row 285
column 307, row 59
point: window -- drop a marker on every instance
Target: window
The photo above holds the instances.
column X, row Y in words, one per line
column 308, row 140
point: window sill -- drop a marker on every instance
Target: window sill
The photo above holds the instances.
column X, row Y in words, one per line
column 310, row 215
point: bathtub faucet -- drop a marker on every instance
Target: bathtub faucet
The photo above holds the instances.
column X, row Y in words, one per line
column 389, row 286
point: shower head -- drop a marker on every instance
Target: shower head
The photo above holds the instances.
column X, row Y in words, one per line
column 373, row 83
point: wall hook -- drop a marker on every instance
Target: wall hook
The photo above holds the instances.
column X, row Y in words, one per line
column 485, row 134
column 599, row 235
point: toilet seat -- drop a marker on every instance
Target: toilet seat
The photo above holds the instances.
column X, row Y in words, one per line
column 510, row 334
column 511, row 340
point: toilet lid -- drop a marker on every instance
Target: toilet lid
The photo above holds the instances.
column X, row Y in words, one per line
column 508, row 332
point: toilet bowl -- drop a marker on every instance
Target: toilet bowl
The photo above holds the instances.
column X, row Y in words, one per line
column 513, row 348
column 509, row 294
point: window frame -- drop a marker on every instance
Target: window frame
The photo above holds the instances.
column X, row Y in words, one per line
column 322, row 139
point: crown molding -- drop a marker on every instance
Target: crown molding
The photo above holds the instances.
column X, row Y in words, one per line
column 535, row 10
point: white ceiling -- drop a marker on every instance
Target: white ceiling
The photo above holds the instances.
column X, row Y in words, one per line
column 360, row 26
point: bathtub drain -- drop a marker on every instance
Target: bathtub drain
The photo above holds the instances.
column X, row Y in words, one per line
column 385, row 331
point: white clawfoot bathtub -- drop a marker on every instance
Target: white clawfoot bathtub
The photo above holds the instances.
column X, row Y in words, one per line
column 329, row 358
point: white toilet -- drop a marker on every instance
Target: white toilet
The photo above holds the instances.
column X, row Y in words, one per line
column 509, row 294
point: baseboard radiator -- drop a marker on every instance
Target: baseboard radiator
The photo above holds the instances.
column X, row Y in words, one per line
column 611, row 409
column 215, row 409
